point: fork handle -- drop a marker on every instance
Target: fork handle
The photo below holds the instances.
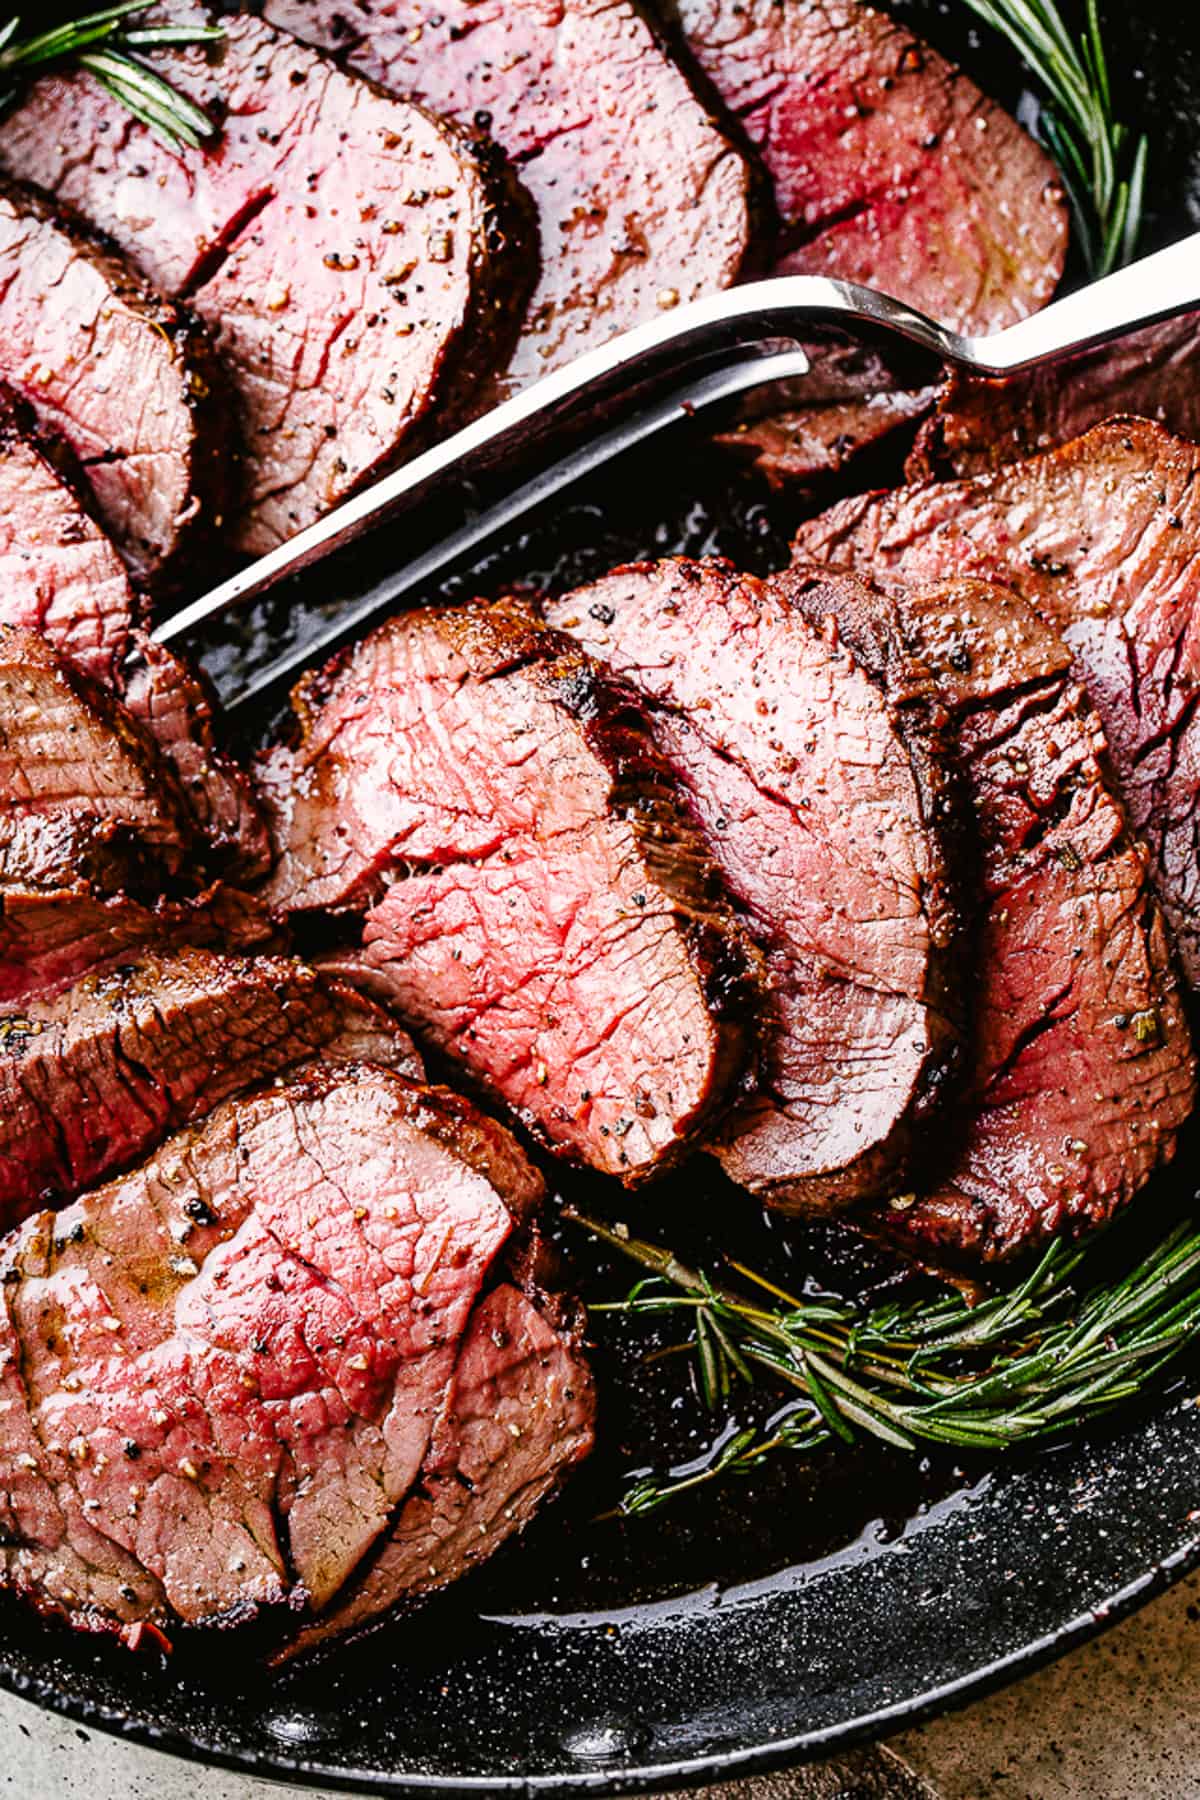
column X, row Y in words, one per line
column 1158, row 287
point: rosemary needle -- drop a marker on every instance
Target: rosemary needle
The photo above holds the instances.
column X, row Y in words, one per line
column 1067, row 1341
column 102, row 42
column 1103, row 165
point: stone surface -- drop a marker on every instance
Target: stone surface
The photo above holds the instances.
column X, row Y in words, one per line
column 1118, row 1719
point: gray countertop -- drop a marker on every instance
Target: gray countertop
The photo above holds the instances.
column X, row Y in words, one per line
column 1118, row 1719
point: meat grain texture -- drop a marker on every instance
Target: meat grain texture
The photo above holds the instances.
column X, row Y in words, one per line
column 889, row 165
column 517, row 1416
column 356, row 260
column 126, row 379
column 1102, row 537
column 61, row 577
column 980, row 424
column 1082, row 1071
column 537, row 904
column 83, row 793
column 99, row 848
column 50, row 937
column 96, row 1075
column 642, row 199
column 172, row 702
column 222, row 1375
column 831, row 828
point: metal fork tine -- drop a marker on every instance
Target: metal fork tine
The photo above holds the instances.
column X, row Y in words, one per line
column 622, row 393
column 413, row 576
column 602, row 389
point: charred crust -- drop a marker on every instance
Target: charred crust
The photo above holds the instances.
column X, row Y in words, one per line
column 214, row 474
column 499, row 638
column 100, row 845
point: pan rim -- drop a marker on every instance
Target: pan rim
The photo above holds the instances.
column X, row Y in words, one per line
column 661, row 1776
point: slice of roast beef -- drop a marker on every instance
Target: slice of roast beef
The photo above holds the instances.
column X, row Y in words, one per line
column 96, row 1075
column 83, row 793
column 642, row 200
column 127, row 379
column 221, row 1372
column 828, row 818
column 1102, row 538
column 98, row 847
column 539, row 906
column 519, row 1415
column 173, row 703
column 357, row 261
column 59, row 575
column 1082, row 1067
column 980, row 425
column 50, row 937
column 889, row 167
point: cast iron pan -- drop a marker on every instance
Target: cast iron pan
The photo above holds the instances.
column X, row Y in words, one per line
column 827, row 1600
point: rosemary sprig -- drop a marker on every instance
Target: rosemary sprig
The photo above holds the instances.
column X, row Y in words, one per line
column 1066, row 1342
column 102, row 43
column 739, row 1454
column 1103, row 165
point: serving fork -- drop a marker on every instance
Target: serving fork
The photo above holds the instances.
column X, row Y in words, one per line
column 455, row 496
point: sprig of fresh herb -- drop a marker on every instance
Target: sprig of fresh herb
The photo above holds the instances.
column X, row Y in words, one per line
column 1102, row 163
column 102, row 43
column 1068, row 1341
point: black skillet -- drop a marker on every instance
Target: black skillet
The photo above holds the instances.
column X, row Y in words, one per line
column 827, row 1600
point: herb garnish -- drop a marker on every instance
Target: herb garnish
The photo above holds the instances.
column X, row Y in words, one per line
column 1068, row 1341
column 102, row 42
column 1103, row 165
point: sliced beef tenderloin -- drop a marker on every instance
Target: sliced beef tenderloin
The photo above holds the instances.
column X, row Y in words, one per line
column 80, row 769
column 357, row 261
column 642, row 200
column 1102, row 538
column 980, row 425
column 366, row 1033
column 97, row 843
column 94, row 1076
column 127, row 379
column 889, row 167
column 539, row 906
column 83, row 793
column 59, row 575
column 829, row 819
column 851, row 399
column 1082, row 1067
column 49, row 937
column 221, row 1373
column 519, row 1416
column 173, row 703
column 53, row 936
